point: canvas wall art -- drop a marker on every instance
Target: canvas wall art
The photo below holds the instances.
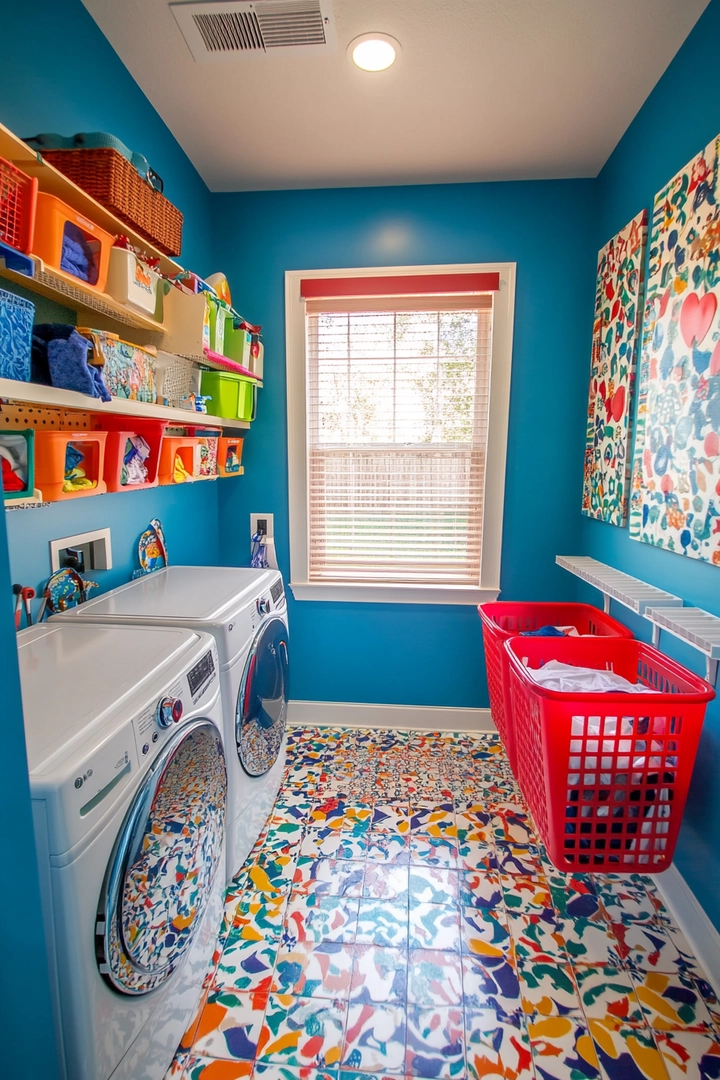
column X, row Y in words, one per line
column 675, row 499
column 616, row 325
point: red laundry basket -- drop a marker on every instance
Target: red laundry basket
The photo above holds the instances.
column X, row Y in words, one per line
column 606, row 775
column 504, row 619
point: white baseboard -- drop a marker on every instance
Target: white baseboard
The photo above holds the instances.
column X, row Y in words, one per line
column 692, row 920
column 388, row 717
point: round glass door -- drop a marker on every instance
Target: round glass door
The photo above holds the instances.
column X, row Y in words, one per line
column 164, row 863
column 262, row 699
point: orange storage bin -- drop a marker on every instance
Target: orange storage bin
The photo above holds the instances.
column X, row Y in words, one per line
column 70, row 242
column 70, row 464
column 120, row 476
column 230, row 456
column 179, row 459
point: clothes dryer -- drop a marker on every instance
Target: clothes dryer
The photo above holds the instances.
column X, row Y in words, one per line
column 128, row 781
column 246, row 612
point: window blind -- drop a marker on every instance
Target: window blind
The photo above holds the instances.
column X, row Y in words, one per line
column 397, row 408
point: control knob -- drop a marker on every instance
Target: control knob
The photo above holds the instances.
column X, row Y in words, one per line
column 169, row 710
column 263, row 605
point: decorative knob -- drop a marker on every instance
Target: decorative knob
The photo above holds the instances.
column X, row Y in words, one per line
column 263, row 605
column 169, row 710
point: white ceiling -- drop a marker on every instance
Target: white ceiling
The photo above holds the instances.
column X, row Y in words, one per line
column 483, row 90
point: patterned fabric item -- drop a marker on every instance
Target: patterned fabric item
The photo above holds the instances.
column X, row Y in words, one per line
column 399, row 918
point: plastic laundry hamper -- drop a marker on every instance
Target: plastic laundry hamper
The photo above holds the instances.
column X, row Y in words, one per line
column 502, row 619
column 606, row 775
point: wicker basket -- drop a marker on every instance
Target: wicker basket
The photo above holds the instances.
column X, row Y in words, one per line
column 116, row 184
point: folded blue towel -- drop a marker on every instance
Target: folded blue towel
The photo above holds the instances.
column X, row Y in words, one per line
column 77, row 257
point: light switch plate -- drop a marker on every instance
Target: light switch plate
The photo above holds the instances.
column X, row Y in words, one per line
column 269, row 524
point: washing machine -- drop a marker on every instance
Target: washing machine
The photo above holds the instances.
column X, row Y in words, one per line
column 246, row 612
column 129, row 784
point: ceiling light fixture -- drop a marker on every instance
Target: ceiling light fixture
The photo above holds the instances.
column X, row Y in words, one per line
column 374, row 52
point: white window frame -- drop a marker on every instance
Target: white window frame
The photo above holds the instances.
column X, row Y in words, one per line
column 488, row 587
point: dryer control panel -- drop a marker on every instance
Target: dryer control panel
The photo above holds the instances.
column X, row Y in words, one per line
column 182, row 697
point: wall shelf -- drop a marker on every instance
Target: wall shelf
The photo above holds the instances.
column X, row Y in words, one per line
column 88, row 303
column 50, row 397
column 56, row 183
column 697, row 627
column 632, row 593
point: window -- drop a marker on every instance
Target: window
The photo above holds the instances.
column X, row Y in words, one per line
column 398, row 386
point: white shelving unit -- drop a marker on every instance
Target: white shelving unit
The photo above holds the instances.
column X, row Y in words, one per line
column 699, row 628
column 632, row 593
column 50, row 397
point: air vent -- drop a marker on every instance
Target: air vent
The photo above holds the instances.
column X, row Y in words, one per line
column 218, row 30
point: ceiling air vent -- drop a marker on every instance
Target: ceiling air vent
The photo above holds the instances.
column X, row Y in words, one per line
column 222, row 29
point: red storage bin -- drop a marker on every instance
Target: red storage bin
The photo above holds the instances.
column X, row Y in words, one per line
column 606, row 775
column 18, row 199
column 504, row 619
column 119, row 429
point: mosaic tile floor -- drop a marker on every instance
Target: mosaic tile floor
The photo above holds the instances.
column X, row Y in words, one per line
column 399, row 918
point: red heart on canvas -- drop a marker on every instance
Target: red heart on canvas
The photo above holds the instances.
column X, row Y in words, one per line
column 715, row 361
column 696, row 317
column 617, row 405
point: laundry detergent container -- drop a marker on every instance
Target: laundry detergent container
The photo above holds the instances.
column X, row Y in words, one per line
column 506, row 618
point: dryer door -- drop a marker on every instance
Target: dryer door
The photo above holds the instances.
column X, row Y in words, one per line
column 164, row 862
column 262, row 699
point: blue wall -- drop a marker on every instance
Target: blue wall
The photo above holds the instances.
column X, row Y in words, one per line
column 412, row 654
column 681, row 116
column 59, row 73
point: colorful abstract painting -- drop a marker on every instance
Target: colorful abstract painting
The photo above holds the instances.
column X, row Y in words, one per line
column 612, row 373
column 675, row 500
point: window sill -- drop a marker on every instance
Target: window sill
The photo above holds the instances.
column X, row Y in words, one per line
column 467, row 595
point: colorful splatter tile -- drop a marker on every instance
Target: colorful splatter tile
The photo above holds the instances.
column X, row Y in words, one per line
column 330, row 877
column 513, row 828
column 548, row 989
column 606, row 993
column 386, row 882
column 434, row 819
column 434, row 978
column 314, row 970
column 245, row 965
column 519, row 859
column 335, row 843
column 528, row 895
column 288, row 1072
column 302, row 1031
column 434, row 926
column 256, row 917
column 562, row 1049
column 375, row 1038
column 491, row 982
column 382, row 922
column 497, row 1045
column 477, row 855
column 626, row 1052
column 391, row 818
column 199, row 1067
column 671, row 1001
column 589, row 942
column 646, row 947
column 231, row 1025
column 480, row 889
column 320, row 918
column 432, row 885
column 485, row 934
column 388, row 847
column 440, row 851
column 537, row 937
column 379, row 974
column 272, row 874
column 689, row 1055
column 435, row 1042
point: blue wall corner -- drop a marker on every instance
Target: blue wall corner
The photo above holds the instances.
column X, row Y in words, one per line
column 667, row 132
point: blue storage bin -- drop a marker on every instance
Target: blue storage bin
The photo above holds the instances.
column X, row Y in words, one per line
column 16, row 324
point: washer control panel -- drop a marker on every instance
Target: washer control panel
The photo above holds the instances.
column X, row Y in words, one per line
column 185, row 693
column 168, row 711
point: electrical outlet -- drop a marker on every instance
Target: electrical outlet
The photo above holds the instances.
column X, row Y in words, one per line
column 83, row 552
column 262, row 524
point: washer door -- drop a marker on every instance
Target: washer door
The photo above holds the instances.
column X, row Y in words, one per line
column 164, row 862
column 262, row 699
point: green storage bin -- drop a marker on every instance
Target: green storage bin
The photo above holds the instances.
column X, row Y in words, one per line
column 18, row 450
column 234, row 397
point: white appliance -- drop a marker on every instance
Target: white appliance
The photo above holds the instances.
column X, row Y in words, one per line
column 246, row 611
column 128, row 781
